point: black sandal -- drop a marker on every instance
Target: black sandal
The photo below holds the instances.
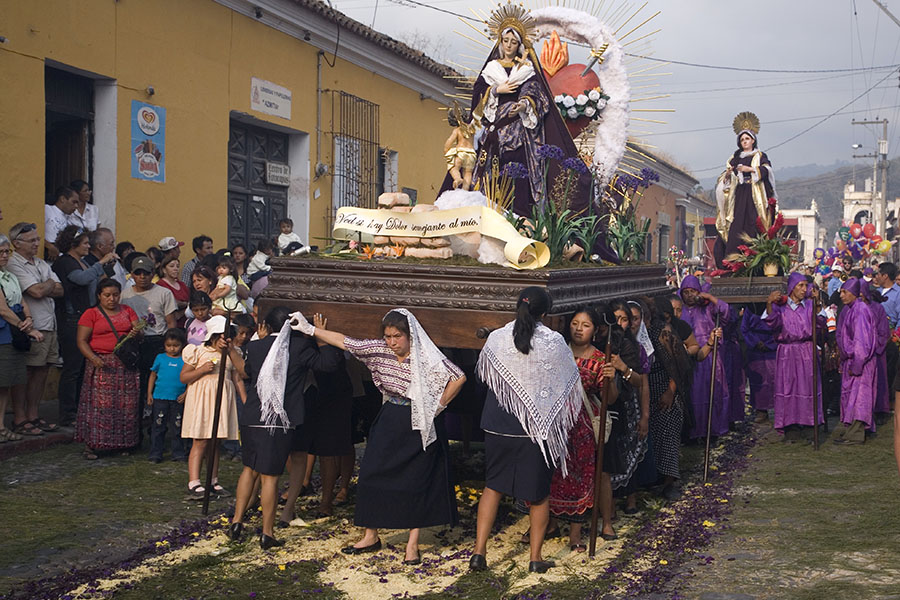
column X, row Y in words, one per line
column 26, row 428
column 44, row 425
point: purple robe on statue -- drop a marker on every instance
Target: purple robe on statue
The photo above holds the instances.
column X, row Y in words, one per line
column 792, row 326
column 856, row 340
column 761, row 350
column 734, row 368
column 702, row 320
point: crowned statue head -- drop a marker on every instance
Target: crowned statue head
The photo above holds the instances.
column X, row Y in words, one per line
column 746, row 125
column 512, row 26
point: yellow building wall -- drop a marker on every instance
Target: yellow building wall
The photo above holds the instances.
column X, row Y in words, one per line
column 199, row 56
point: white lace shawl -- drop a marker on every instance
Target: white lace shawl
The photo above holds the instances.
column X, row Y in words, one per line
column 494, row 74
column 542, row 389
column 272, row 380
column 428, row 378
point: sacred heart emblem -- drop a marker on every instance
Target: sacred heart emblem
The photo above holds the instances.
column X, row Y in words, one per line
column 568, row 83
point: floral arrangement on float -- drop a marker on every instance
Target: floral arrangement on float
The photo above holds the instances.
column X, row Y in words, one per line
column 627, row 233
column 769, row 253
column 588, row 104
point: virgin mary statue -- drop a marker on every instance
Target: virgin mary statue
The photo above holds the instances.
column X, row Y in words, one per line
column 512, row 102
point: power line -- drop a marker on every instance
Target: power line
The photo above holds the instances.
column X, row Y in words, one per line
column 813, row 126
column 664, row 60
column 791, row 120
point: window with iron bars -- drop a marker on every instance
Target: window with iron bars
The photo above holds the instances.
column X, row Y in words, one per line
column 356, row 154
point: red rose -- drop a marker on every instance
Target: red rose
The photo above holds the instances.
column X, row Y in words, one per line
column 772, row 231
column 719, row 273
column 743, row 248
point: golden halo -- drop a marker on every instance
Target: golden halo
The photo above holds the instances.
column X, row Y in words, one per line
column 511, row 15
column 746, row 121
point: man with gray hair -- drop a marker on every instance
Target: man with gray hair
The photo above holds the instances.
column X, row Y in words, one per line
column 40, row 286
column 103, row 242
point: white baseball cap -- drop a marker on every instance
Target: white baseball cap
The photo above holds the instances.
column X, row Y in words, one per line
column 214, row 325
column 169, row 243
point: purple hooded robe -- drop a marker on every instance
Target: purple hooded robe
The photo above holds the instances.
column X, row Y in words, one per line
column 761, row 351
column 792, row 326
column 882, row 338
column 702, row 320
column 856, row 340
column 734, row 368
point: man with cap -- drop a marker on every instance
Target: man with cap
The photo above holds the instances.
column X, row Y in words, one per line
column 157, row 306
column 856, row 338
column 700, row 310
column 791, row 321
column 170, row 247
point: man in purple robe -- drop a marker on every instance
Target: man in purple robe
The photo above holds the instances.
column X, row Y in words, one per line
column 874, row 302
column 792, row 323
column 856, row 337
column 761, row 351
column 700, row 310
column 734, row 367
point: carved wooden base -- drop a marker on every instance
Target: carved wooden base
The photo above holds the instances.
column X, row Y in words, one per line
column 453, row 303
column 746, row 289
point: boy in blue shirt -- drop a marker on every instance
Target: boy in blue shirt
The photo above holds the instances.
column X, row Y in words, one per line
column 165, row 395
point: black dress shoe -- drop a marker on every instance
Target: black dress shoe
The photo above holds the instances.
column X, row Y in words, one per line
column 267, row 541
column 370, row 548
column 413, row 561
column 540, row 566
column 282, row 524
column 235, row 530
column 609, row 536
column 478, row 563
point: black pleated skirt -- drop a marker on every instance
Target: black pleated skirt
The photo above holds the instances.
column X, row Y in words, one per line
column 515, row 466
column 400, row 485
column 266, row 452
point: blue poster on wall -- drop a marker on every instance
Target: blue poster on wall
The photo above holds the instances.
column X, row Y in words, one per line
column 148, row 142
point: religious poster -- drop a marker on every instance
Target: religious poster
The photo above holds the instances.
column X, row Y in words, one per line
column 148, row 142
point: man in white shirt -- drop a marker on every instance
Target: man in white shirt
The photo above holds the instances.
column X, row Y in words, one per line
column 56, row 217
column 40, row 286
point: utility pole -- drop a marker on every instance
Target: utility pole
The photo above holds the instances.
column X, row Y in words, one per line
column 879, row 209
column 882, row 6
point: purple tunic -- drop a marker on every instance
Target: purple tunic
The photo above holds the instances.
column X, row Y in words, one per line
column 734, row 369
column 761, row 350
column 882, row 338
column 702, row 320
column 857, row 343
column 793, row 365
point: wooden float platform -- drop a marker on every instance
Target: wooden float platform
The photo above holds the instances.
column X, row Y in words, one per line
column 457, row 305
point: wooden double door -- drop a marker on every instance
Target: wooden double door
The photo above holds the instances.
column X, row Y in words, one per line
column 254, row 207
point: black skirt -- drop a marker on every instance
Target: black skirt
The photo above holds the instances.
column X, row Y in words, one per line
column 515, row 466
column 330, row 416
column 400, row 485
column 266, row 452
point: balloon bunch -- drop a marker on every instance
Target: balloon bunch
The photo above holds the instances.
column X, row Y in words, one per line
column 860, row 241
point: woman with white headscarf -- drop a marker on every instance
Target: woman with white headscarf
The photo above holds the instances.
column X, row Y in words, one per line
column 745, row 191
column 404, row 478
column 273, row 417
column 533, row 401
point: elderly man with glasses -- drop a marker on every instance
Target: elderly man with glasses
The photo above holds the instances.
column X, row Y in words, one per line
column 40, row 286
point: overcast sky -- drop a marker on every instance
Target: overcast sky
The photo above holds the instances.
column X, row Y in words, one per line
column 765, row 34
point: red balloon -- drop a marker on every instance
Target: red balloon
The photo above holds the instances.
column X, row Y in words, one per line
column 856, row 231
column 869, row 229
column 874, row 240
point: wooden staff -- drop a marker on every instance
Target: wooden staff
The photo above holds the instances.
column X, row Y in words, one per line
column 815, row 376
column 213, row 449
column 601, row 441
column 712, row 389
